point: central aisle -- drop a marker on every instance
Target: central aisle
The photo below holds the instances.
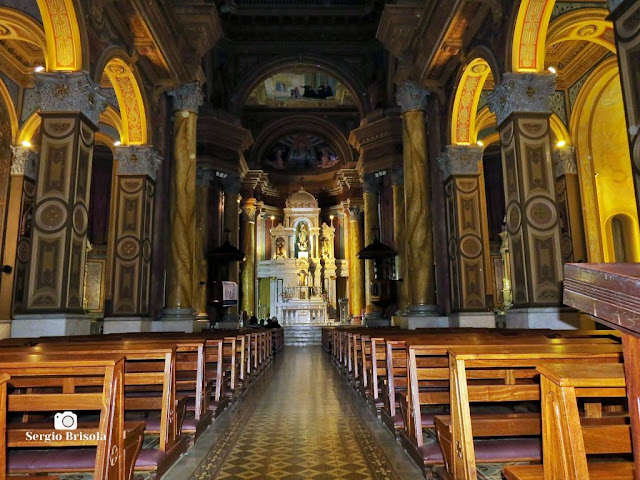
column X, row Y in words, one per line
column 301, row 422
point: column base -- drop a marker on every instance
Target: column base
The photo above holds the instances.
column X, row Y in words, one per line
column 5, row 329
column 557, row 318
column 175, row 320
column 50, row 325
column 231, row 324
column 201, row 323
column 473, row 320
column 126, row 325
column 410, row 321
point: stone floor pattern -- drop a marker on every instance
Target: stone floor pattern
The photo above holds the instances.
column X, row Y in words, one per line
column 302, row 421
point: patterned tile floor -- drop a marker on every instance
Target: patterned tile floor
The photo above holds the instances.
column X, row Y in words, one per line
column 300, row 421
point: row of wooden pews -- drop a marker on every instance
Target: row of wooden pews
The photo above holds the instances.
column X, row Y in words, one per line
column 546, row 404
column 117, row 404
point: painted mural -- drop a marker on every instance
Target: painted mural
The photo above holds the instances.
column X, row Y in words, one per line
column 302, row 89
column 301, row 152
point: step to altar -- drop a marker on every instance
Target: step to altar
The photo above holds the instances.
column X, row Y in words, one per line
column 302, row 335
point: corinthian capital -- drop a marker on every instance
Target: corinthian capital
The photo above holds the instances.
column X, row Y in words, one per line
column 460, row 160
column 187, row 97
column 410, row 96
column 355, row 212
column 24, row 162
column 70, row 92
column 133, row 160
column 249, row 210
column 522, row 92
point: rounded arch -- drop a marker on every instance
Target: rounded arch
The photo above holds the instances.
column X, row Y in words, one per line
column 622, row 237
column 297, row 123
column 18, row 25
column 6, row 99
column 559, row 130
column 30, row 128
column 112, row 118
column 61, row 20
column 260, row 73
column 529, row 37
column 116, row 65
column 598, row 129
column 589, row 24
column 464, row 110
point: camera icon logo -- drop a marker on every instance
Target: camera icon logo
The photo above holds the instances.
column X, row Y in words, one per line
column 65, row 421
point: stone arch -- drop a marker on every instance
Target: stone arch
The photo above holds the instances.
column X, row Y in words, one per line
column 589, row 24
column 260, row 73
column 6, row 99
column 17, row 25
column 116, row 65
column 64, row 35
column 529, row 35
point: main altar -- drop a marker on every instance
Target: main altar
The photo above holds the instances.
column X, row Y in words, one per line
column 302, row 265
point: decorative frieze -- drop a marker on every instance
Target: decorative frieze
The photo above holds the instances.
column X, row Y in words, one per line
column 460, row 160
column 24, row 162
column 133, row 160
column 522, row 92
column 187, row 97
column 410, row 97
column 70, row 92
column 564, row 161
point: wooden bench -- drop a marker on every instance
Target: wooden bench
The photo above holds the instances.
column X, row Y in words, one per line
column 45, row 384
column 568, row 439
column 484, row 360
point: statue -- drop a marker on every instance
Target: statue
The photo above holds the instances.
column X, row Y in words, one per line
column 303, row 237
column 280, row 247
column 324, row 242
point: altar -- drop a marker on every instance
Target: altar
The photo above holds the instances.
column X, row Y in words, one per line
column 302, row 267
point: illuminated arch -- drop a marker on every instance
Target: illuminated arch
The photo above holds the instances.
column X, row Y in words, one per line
column 465, row 105
column 62, row 31
column 584, row 24
column 30, row 128
column 133, row 128
column 17, row 25
column 112, row 118
column 559, row 130
column 530, row 34
column 5, row 97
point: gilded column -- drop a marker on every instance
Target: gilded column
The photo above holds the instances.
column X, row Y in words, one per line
column 371, row 189
column 625, row 14
column 187, row 99
column 133, row 238
column 231, row 185
column 17, row 233
column 248, row 275
column 397, row 186
column 356, row 270
column 204, row 176
column 417, row 195
column 521, row 105
column 70, row 105
column 567, row 187
column 463, row 207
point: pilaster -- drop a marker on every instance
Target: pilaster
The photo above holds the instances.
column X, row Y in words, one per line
column 204, row 177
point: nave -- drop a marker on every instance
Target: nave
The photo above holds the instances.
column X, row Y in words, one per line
column 300, row 421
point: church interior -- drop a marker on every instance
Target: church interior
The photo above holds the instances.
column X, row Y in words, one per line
column 319, row 239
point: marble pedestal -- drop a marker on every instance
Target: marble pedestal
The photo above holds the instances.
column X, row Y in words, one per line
column 557, row 318
column 472, row 320
column 127, row 324
column 175, row 320
column 50, row 325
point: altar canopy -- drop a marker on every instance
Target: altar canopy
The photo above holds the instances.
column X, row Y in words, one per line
column 302, row 265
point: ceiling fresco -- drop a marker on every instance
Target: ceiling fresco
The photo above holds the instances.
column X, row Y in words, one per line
column 301, row 153
column 301, row 89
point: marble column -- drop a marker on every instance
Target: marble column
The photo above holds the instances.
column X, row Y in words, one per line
column 179, row 312
column 70, row 106
column 625, row 15
column 17, row 233
column 463, row 207
column 371, row 194
column 356, row 270
column 567, row 187
column 248, row 275
column 399, row 244
column 521, row 105
column 130, row 252
column 204, row 177
column 231, row 185
column 412, row 100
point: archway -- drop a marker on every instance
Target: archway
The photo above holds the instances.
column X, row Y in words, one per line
column 63, row 34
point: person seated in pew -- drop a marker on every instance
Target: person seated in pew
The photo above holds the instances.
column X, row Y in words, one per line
column 272, row 323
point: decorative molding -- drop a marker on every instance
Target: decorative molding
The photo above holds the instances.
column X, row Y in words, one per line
column 187, row 97
column 370, row 183
column 70, row 92
column 522, row 92
column 410, row 97
column 564, row 161
column 204, row 176
column 24, row 162
column 397, row 176
column 134, row 160
column 460, row 160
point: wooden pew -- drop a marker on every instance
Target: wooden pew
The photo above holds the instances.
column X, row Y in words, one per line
column 50, row 383
column 484, row 360
column 567, row 439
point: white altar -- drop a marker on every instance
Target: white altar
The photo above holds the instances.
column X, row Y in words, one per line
column 302, row 268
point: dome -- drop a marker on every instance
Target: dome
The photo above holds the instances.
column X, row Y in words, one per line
column 302, row 199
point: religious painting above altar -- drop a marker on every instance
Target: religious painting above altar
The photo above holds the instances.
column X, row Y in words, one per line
column 301, row 152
